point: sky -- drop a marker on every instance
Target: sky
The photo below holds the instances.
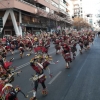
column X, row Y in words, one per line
column 91, row 6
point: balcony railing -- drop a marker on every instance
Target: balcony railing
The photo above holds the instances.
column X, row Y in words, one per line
column 27, row 3
column 53, row 16
column 42, row 12
column 65, row 13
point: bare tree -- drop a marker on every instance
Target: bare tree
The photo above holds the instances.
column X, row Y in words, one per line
column 79, row 23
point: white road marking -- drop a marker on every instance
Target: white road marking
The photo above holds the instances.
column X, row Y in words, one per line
column 19, row 67
column 22, row 66
column 82, row 66
column 55, row 77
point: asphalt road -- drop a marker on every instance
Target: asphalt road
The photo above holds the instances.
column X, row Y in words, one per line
column 81, row 82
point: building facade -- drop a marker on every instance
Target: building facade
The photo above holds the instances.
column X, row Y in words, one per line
column 78, row 8
column 94, row 21
column 21, row 16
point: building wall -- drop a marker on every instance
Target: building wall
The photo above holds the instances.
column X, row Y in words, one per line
column 29, row 13
column 80, row 8
column 54, row 5
column 93, row 19
column 18, row 5
column 70, row 8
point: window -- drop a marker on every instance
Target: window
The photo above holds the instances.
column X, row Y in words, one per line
column 29, row 1
column 90, row 21
column 64, row 1
column 74, row 10
column 98, row 15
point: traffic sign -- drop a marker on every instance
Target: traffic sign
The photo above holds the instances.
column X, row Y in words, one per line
column 1, row 23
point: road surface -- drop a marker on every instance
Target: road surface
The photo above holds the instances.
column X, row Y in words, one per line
column 81, row 82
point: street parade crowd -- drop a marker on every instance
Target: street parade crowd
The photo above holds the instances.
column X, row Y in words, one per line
column 65, row 44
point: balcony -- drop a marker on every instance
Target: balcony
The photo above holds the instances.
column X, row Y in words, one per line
column 41, row 12
column 67, row 4
column 28, row 7
column 53, row 16
column 62, row 4
column 44, row 2
column 30, row 4
column 62, row 11
column 18, row 4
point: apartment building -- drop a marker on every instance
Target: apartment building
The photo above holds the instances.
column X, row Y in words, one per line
column 20, row 16
column 78, row 8
column 94, row 21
